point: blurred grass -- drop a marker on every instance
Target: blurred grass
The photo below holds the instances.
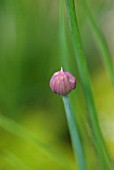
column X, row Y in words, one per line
column 14, row 161
column 24, row 50
column 29, row 54
column 100, row 40
column 32, row 145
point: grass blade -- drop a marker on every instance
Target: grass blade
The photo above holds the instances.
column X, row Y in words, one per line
column 100, row 40
column 84, row 75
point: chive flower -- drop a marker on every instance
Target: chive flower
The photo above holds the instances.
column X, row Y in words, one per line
column 62, row 82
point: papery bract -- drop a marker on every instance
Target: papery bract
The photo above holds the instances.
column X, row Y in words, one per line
column 62, row 82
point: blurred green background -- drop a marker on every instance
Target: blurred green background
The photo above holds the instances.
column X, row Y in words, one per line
column 33, row 128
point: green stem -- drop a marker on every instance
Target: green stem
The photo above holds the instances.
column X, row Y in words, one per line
column 100, row 40
column 84, row 75
column 78, row 151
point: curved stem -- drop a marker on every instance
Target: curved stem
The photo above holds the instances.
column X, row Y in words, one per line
column 76, row 143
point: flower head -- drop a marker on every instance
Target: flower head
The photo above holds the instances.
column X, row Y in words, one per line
column 62, row 82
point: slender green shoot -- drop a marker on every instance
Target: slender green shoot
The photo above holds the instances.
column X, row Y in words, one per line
column 84, row 75
column 77, row 147
column 100, row 40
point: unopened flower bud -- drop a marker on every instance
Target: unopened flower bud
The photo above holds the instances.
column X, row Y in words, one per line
column 62, row 82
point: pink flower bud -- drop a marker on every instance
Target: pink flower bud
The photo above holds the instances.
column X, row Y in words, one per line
column 62, row 82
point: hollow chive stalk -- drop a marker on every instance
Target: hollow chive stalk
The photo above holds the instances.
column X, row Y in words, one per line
column 76, row 143
column 62, row 83
column 103, row 155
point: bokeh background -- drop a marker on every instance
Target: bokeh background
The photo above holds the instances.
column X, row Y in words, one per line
column 33, row 127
